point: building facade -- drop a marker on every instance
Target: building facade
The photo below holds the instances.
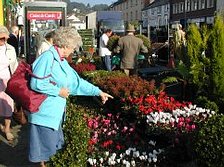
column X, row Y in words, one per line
column 192, row 11
column 132, row 9
column 155, row 19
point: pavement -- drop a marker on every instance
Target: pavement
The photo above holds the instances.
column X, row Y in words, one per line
column 15, row 153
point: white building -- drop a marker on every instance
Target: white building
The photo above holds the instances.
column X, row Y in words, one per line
column 132, row 9
column 75, row 22
column 220, row 5
column 156, row 14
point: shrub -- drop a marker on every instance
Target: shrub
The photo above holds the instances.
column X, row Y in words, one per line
column 113, row 42
column 81, row 67
column 76, row 139
column 96, row 76
column 217, row 58
column 145, row 40
column 124, row 86
column 203, row 101
column 209, row 143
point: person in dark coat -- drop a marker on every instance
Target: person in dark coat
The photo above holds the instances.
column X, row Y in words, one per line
column 130, row 47
column 13, row 38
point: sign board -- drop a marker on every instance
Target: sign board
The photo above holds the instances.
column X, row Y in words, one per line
column 44, row 15
column 41, row 17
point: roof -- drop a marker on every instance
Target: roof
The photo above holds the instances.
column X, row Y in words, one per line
column 156, row 3
column 73, row 18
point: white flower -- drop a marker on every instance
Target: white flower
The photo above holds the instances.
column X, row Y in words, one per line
column 94, row 161
column 107, row 153
column 152, row 143
column 133, row 162
column 128, row 152
column 155, row 152
column 149, row 160
column 154, row 159
column 90, row 160
column 128, row 164
column 101, row 160
column 114, row 155
column 136, row 154
column 118, row 160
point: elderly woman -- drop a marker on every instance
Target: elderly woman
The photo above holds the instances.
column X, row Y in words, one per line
column 8, row 64
column 46, row 135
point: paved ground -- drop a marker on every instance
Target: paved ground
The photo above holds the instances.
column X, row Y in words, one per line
column 15, row 154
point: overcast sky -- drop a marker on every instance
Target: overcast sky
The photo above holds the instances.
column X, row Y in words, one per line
column 93, row 2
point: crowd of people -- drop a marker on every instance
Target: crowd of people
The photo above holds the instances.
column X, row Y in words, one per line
column 129, row 47
column 45, row 126
column 46, row 136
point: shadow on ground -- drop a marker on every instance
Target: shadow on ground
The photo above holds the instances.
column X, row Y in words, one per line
column 15, row 154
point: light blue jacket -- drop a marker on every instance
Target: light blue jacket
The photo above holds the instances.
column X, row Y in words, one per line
column 51, row 111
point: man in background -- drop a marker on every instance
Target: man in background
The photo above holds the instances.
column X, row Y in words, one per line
column 13, row 39
column 130, row 47
column 104, row 52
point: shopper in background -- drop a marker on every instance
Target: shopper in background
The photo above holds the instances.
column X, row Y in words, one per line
column 130, row 47
column 47, row 43
column 104, row 52
column 8, row 64
column 14, row 38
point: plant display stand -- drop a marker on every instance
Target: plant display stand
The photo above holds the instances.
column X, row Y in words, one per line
column 88, row 39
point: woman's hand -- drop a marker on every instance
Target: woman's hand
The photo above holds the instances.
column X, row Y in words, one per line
column 104, row 96
column 64, row 92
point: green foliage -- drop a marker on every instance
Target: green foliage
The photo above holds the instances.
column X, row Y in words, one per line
column 209, row 143
column 203, row 102
column 217, row 57
column 113, row 42
column 170, row 80
column 195, row 47
column 96, row 76
column 76, row 139
column 183, row 70
column 145, row 40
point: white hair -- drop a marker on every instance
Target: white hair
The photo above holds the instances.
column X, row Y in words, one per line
column 14, row 29
column 4, row 30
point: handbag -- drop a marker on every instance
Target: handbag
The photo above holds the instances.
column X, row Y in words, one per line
column 18, row 88
column 19, row 115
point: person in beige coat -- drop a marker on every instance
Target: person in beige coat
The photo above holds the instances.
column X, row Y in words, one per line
column 130, row 46
column 8, row 65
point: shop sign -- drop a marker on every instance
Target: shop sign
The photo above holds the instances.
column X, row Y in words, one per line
column 44, row 15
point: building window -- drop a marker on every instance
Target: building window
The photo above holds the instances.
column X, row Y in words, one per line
column 166, row 8
column 210, row 3
column 194, row 5
column 136, row 15
column 187, row 5
column 174, row 9
column 177, row 8
column 166, row 20
column 131, row 3
column 127, row 16
column 159, row 9
column 201, row 4
column 127, row 5
column 131, row 16
column 152, row 11
column 181, row 7
column 136, row 2
column 159, row 21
